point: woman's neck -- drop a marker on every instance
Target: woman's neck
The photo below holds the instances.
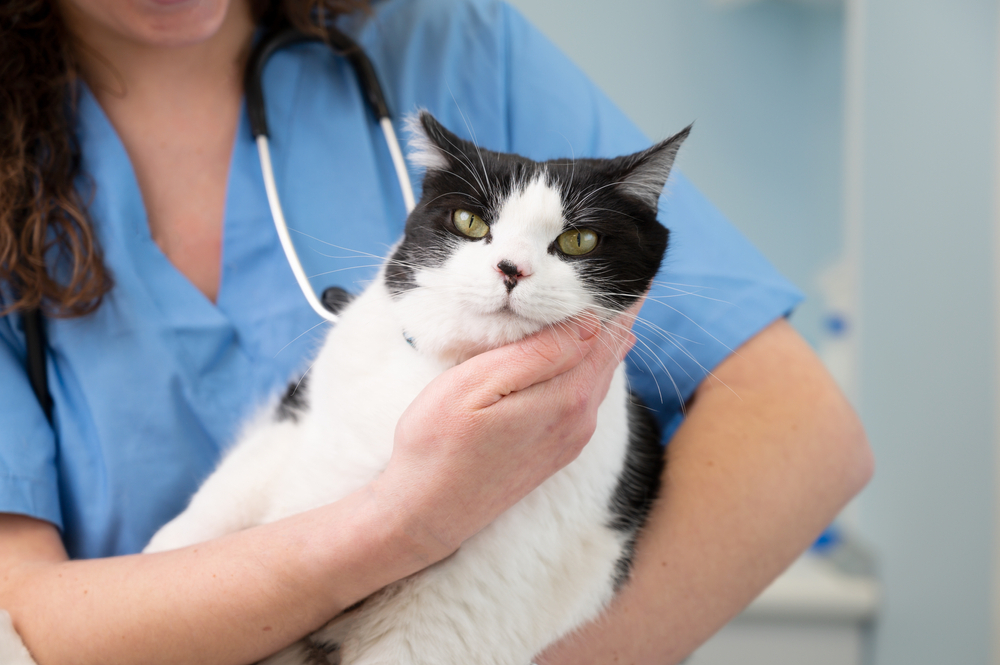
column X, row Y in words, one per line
column 175, row 104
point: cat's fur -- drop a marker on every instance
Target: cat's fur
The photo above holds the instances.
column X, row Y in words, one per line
column 552, row 561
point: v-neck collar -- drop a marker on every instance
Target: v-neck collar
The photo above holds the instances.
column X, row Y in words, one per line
column 202, row 329
column 112, row 167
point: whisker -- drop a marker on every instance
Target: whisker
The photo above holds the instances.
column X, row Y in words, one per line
column 346, row 249
column 660, row 282
column 331, row 272
column 468, row 126
column 305, row 332
column 724, row 345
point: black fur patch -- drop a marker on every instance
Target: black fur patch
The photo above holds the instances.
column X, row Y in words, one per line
column 294, row 402
column 631, row 242
column 319, row 653
column 639, row 484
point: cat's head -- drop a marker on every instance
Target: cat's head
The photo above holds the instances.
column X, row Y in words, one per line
column 500, row 246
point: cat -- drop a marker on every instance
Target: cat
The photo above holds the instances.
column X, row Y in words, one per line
column 498, row 247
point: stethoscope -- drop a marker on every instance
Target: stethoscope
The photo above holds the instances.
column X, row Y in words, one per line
column 343, row 45
column 272, row 41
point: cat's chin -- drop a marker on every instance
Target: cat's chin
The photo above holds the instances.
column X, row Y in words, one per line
column 470, row 336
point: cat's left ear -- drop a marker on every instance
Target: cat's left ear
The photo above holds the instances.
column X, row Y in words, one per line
column 645, row 173
column 431, row 145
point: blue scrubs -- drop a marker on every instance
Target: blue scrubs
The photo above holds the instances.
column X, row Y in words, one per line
column 151, row 388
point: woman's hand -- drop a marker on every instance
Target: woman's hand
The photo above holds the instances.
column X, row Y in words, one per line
column 485, row 433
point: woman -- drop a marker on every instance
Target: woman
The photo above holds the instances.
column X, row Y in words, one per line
column 201, row 324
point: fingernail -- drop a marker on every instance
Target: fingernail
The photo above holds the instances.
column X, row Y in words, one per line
column 586, row 327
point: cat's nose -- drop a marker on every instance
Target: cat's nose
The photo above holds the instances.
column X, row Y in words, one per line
column 511, row 273
column 509, row 268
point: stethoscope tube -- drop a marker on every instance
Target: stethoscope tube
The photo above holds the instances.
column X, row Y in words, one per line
column 253, row 84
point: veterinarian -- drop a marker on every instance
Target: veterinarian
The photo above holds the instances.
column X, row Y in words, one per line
column 132, row 209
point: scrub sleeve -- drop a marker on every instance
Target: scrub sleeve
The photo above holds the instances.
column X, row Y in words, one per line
column 151, row 389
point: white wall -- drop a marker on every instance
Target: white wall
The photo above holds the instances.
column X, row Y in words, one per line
column 928, row 367
column 764, row 83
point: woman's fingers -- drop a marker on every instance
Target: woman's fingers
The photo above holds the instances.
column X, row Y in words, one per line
column 535, row 359
column 550, row 353
column 607, row 349
column 571, row 399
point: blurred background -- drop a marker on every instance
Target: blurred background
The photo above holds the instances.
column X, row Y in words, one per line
column 855, row 142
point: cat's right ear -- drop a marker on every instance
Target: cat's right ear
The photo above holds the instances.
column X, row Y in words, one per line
column 645, row 173
column 431, row 146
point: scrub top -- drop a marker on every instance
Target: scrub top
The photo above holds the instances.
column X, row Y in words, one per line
column 151, row 388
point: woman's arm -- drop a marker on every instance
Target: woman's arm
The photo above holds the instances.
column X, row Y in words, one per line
column 769, row 453
column 232, row 600
column 241, row 597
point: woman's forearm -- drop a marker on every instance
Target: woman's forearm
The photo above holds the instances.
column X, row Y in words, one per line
column 769, row 453
column 232, row 600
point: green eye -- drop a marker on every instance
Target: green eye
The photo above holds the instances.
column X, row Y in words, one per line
column 577, row 242
column 470, row 224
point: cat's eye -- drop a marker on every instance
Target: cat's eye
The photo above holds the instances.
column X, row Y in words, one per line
column 470, row 224
column 577, row 242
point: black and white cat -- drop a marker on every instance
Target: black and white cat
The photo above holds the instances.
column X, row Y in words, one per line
column 498, row 247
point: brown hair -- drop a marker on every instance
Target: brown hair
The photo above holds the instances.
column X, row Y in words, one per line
column 43, row 214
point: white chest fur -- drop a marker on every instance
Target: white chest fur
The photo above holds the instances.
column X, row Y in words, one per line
column 542, row 568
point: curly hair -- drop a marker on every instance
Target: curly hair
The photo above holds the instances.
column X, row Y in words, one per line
column 43, row 200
